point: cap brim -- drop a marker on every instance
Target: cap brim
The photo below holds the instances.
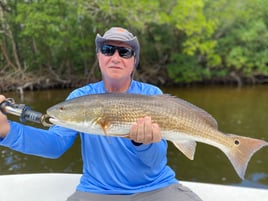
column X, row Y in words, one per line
column 100, row 41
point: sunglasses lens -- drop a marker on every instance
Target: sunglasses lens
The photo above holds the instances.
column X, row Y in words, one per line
column 125, row 52
column 109, row 50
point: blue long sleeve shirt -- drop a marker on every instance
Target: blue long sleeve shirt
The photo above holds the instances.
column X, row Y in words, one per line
column 111, row 165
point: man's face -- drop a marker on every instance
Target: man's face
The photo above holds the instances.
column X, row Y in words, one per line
column 116, row 66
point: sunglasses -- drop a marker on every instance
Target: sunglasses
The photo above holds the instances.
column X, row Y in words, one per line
column 109, row 50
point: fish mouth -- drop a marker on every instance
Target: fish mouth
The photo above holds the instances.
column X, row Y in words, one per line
column 54, row 120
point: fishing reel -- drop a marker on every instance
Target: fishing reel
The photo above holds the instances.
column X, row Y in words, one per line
column 24, row 112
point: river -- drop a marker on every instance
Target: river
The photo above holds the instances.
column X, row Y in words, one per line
column 243, row 111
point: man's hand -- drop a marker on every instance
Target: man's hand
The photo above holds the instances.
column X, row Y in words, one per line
column 144, row 131
column 4, row 125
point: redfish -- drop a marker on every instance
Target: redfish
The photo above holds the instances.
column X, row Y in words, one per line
column 184, row 124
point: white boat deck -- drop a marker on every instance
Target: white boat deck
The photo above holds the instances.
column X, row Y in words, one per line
column 57, row 187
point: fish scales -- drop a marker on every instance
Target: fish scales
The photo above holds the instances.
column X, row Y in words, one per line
column 171, row 117
column 181, row 122
column 168, row 116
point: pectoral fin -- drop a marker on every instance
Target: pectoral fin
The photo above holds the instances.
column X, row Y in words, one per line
column 186, row 147
column 104, row 124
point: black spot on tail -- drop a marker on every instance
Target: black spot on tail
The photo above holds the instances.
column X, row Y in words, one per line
column 237, row 142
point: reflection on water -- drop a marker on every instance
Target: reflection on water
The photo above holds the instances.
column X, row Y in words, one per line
column 241, row 111
column 256, row 180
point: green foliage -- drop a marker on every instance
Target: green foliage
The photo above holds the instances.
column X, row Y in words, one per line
column 241, row 35
column 160, row 44
column 186, row 69
column 248, row 52
column 188, row 17
column 186, row 41
column 51, row 35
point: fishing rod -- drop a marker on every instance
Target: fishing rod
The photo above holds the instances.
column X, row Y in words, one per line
column 9, row 106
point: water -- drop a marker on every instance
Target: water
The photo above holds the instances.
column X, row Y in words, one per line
column 242, row 111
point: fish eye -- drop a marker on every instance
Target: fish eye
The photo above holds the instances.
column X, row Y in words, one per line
column 61, row 108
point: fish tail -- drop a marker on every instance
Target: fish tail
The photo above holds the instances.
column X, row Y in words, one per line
column 241, row 152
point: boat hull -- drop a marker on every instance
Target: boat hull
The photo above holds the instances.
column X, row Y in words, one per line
column 58, row 186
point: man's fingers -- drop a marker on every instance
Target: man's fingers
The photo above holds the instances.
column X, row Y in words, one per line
column 140, row 130
column 144, row 131
column 2, row 98
column 148, row 130
column 156, row 132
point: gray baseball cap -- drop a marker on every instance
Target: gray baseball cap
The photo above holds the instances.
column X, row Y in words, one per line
column 122, row 35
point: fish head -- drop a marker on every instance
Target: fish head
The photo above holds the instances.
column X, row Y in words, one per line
column 78, row 114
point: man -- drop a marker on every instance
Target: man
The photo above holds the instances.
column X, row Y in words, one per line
column 118, row 169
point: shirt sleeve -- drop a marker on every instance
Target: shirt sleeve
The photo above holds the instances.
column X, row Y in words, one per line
column 50, row 143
